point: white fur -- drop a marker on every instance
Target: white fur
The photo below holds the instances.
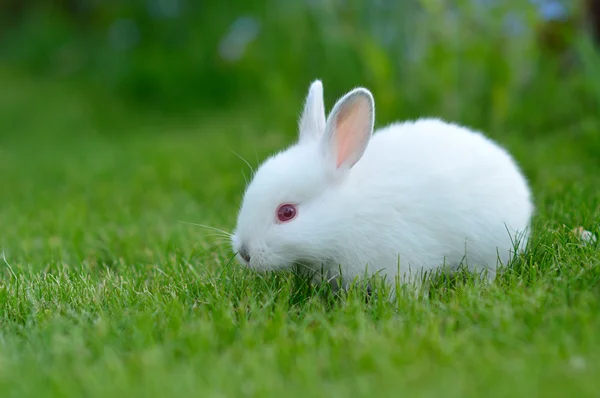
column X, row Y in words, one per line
column 424, row 194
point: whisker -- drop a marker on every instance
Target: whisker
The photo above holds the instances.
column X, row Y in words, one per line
column 244, row 160
column 209, row 251
column 208, row 227
column 213, row 246
column 220, row 235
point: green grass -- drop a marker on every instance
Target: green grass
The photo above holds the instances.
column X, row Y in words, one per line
column 105, row 293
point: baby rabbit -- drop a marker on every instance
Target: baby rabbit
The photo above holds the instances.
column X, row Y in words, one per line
column 412, row 197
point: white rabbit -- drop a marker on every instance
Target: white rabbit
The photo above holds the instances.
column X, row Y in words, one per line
column 412, row 197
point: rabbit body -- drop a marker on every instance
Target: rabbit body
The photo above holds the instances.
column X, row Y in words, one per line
column 412, row 197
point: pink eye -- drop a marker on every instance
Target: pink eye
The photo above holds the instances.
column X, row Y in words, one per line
column 286, row 212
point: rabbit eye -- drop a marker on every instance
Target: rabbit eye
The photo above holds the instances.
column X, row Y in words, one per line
column 286, row 212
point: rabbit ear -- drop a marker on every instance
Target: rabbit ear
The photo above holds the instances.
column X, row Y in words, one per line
column 312, row 121
column 349, row 128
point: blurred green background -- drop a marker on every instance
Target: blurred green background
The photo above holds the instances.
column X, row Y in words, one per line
column 481, row 62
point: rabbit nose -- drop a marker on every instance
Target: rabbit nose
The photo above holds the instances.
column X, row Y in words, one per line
column 244, row 253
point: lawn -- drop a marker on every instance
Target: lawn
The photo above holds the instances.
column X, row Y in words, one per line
column 104, row 291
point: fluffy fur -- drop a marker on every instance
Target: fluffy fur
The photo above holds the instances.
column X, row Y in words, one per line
column 413, row 197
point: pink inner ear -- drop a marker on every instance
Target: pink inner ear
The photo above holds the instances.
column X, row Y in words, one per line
column 352, row 130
